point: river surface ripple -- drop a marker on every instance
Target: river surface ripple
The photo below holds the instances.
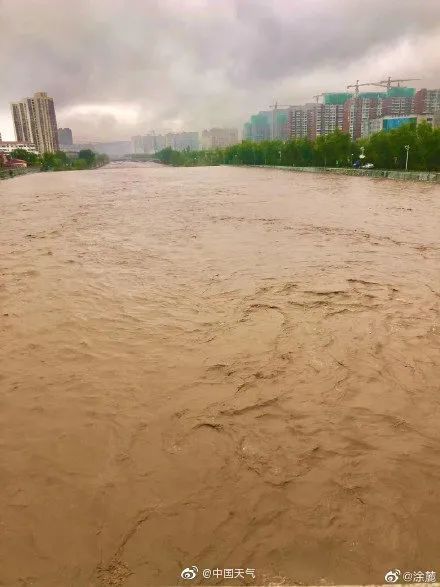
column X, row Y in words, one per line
column 221, row 367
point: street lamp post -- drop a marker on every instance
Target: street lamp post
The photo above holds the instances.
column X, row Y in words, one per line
column 407, row 147
column 279, row 152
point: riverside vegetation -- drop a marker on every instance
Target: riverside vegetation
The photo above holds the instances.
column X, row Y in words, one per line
column 61, row 161
column 385, row 149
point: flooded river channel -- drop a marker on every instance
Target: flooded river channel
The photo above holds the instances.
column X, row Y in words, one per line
column 229, row 368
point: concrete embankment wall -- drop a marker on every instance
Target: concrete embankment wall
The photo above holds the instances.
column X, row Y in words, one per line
column 390, row 174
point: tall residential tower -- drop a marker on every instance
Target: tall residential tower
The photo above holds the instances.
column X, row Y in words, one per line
column 219, row 138
column 35, row 122
column 65, row 137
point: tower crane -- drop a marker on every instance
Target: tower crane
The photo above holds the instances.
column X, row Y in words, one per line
column 317, row 96
column 387, row 82
column 276, row 106
column 357, row 85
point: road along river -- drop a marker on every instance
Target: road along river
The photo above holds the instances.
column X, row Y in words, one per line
column 222, row 367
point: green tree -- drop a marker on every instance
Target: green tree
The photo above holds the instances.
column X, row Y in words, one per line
column 164, row 155
column 385, row 150
column 429, row 141
column 333, row 149
column 101, row 159
column 88, row 155
column 54, row 161
column 79, row 164
column 30, row 158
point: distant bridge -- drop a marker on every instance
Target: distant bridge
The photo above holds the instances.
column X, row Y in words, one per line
column 139, row 157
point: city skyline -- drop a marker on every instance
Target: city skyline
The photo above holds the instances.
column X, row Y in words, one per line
column 357, row 113
column 193, row 65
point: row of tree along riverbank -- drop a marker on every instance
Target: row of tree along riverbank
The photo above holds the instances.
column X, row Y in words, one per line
column 385, row 150
column 58, row 161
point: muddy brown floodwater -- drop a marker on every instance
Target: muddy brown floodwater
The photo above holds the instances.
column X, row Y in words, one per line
column 220, row 367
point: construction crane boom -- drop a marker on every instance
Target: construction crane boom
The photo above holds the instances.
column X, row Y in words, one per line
column 390, row 81
column 276, row 106
column 317, row 96
column 357, row 85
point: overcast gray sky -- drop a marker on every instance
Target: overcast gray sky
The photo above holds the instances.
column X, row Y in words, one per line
column 117, row 68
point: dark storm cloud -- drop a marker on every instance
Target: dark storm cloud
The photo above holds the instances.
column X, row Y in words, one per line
column 147, row 63
column 312, row 34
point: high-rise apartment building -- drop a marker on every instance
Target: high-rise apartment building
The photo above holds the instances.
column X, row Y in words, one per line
column 247, row 131
column 219, row 138
column 46, row 135
column 182, row 141
column 328, row 118
column 279, row 122
column 148, row 144
column 398, row 101
column 137, row 145
column 65, row 137
column 323, row 119
column 301, row 120
column 343, row 111
column 153, row 143
column 159, row 142
column 358, row 110
column 361, row 108
column 259, row 127
column 21, row 117
column 427, row 101
column 35, row 122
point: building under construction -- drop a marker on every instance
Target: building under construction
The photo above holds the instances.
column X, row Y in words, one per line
column 267, row 125
column 345, row 111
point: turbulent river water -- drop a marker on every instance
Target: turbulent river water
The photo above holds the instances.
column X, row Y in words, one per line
column 223, row 367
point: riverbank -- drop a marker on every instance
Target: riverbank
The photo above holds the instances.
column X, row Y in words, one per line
column 10, row 173
column 384, row 173
column 386, row 151
column 426, row 176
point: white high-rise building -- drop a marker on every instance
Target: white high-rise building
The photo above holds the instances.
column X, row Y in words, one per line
column 219, row 138
column 148, row 144
column 181, row 141
column 137, row 145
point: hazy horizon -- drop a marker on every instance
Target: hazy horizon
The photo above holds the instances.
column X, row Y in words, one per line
column 166, row 65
